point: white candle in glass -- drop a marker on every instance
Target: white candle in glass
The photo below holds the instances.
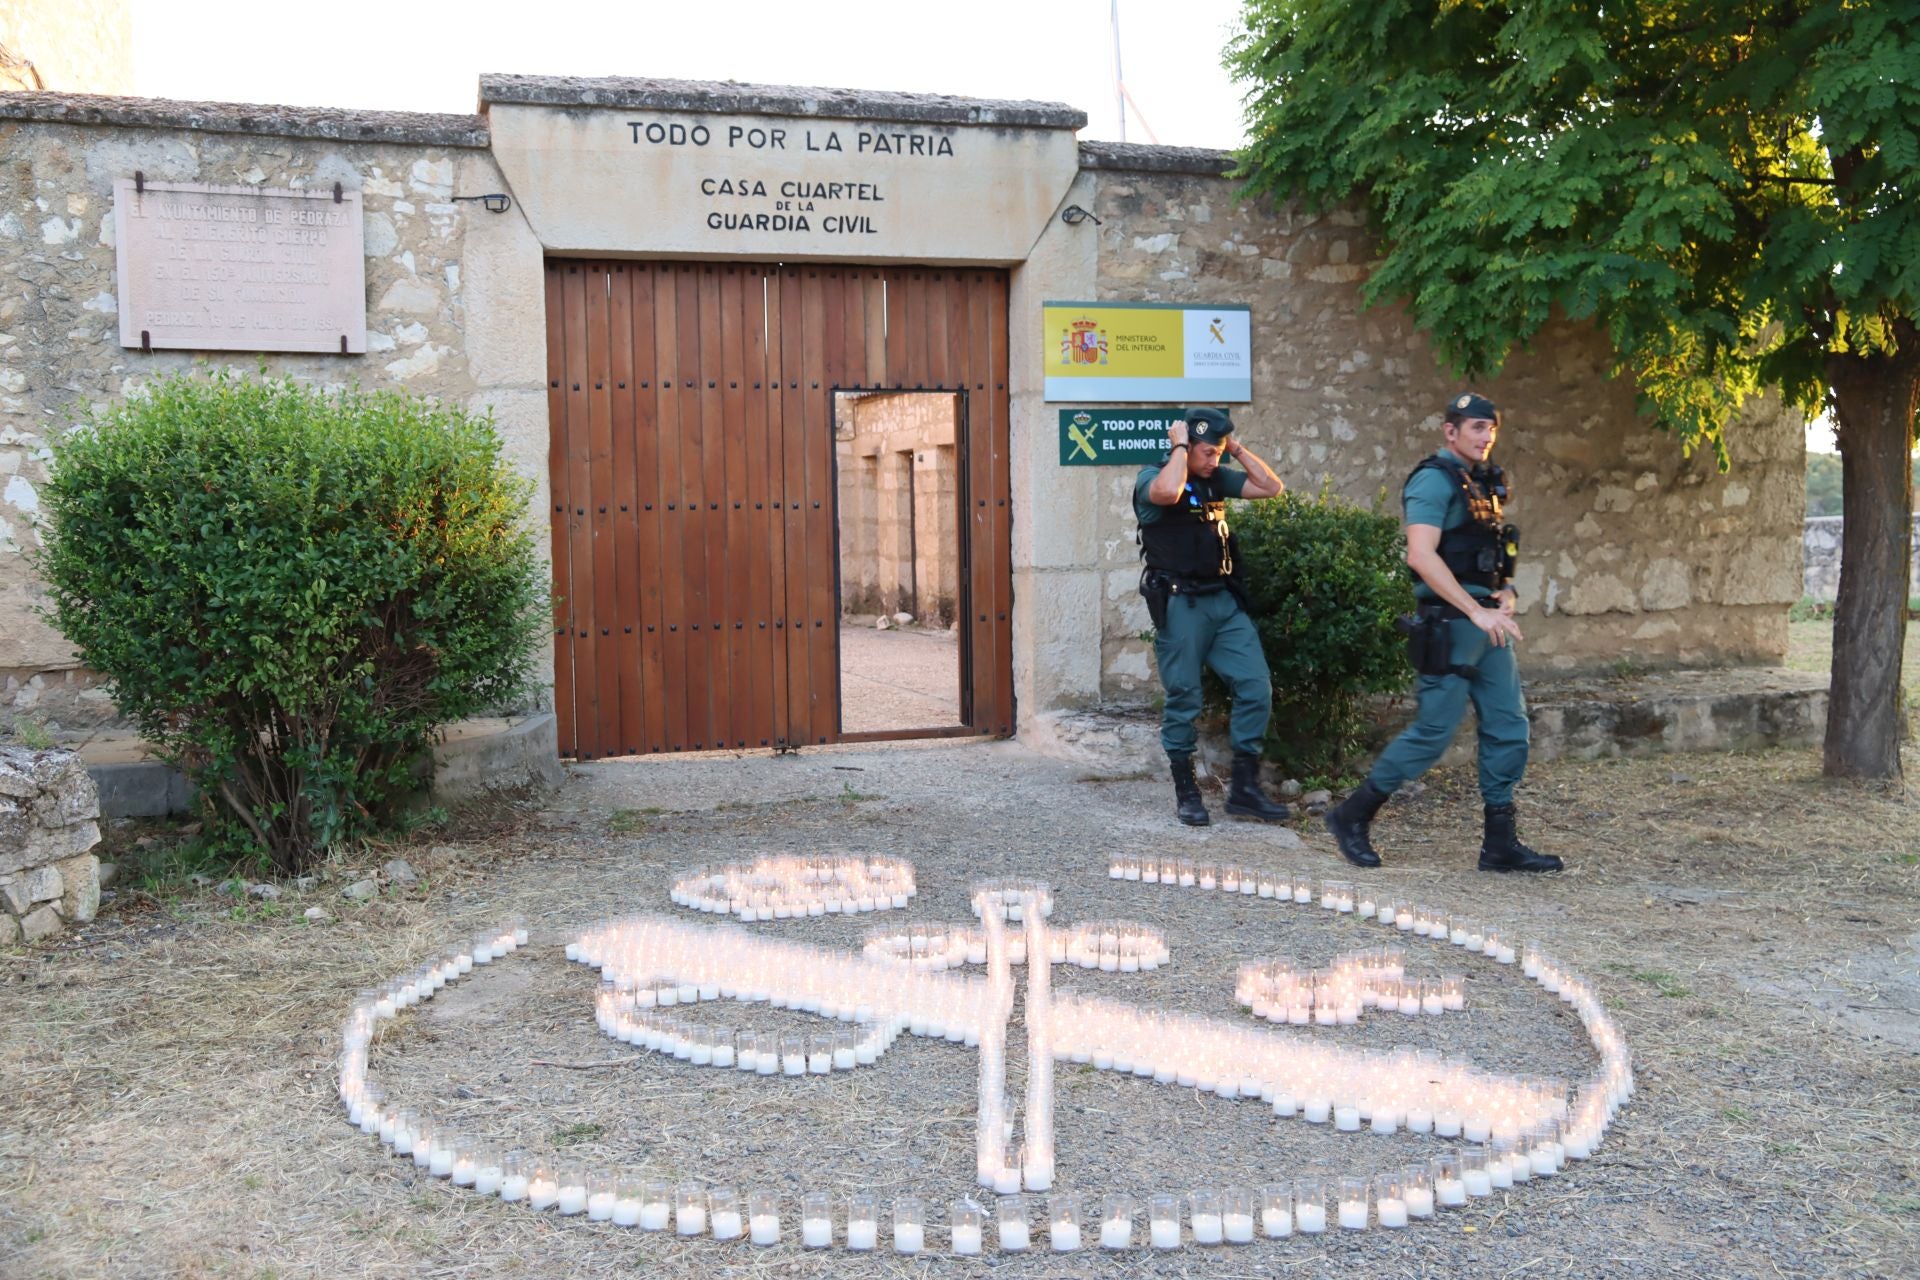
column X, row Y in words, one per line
column 1204, row 1211
column 863, row 1222
column 763, row 1219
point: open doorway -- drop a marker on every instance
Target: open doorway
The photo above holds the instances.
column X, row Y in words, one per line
column 899, row 559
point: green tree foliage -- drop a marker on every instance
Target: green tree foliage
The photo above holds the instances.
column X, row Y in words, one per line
column 1327, row 580
column 1825, row 492
column 288, row 590
column 1823, row 484
column 1730, row 188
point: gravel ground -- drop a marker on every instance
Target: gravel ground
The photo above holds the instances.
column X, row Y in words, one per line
column 1752, row 927
column 901, row 678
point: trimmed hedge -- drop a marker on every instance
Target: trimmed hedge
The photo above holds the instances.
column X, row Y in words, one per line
column 1327, row 579
column 289, row 590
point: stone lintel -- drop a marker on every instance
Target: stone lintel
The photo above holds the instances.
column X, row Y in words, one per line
column 1137, row 157
column 729, row 98
column 338, row 124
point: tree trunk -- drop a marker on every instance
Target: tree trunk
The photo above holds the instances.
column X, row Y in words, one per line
column 1874, row 402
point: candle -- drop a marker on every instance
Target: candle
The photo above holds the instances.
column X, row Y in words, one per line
column 486, row 1171
column 1204, row 1210
column 1311, row 1219
column 1011, row 1218
column 1346, row 1118
column 626, row 1204
column 514, row 1178
column 601, row 1205
column 763, row 1217
column 1353, row 1204
column 863, row 1221
column 909, row 1224
column 1393, row 1213
column 967, row 1219
column 656, row 1206
column 816, row 1220
column 571, row 1190
column 690, row 1210
column 1276, row 1212
column 1115, row 1233
column 762, row 1228
column 542, row 1191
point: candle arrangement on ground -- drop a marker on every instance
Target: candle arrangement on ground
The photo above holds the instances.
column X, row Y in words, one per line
column 787, row 887
column 1336, row 995
column 1112, row 946
column 1509, row 1129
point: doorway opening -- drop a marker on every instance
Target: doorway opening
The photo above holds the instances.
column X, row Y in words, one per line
column 898, row 535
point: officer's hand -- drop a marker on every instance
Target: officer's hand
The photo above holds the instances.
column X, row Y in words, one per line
column 1234, row 449
column 1177, row 433
column 1499, row 627
column 1505, row 596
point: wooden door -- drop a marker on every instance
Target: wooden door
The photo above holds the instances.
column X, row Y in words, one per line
column 696, row 601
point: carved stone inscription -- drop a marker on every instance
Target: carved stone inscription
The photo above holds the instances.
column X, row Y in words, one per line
column 239, row 268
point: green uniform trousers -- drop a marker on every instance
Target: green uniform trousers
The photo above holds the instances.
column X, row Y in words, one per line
column 1214, row 631
column 1502, row 710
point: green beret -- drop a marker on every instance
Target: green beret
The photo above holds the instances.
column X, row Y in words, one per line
column 1208, row 426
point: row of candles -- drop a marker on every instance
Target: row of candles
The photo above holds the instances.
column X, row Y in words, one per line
column 1111, row 946
column 1341, row 896
column 1519, row 1128
column 1277, row 991
column 785, row 887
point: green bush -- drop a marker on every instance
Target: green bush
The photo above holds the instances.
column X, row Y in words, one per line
column 288, row 591
column 1327, row 578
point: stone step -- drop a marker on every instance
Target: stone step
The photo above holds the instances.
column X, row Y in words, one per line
column 476, row 755
column 1722, row 709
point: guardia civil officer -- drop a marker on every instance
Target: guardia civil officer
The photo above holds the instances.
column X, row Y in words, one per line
column 1196, row 595
column 1462, row 558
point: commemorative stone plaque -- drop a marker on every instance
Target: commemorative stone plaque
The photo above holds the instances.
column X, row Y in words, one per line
column 209, row 268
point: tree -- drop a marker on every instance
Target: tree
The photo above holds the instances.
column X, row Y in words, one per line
column 1730, row 188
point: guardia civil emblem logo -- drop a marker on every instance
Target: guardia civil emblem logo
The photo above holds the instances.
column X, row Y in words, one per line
column 1084, row 343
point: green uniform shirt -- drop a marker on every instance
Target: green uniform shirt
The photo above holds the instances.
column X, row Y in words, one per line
column 1433, row 497
column 1231, row 483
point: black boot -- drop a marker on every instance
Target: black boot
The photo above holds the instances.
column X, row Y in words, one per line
column 1501, row 850
column 1349, row 821
column 1244, row 798
column 1186, row 793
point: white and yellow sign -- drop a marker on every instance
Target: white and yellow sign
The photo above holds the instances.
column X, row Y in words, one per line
column 1148, row 351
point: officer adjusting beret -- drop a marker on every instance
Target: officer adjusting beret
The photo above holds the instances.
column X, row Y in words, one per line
column 1469, row 404
column 1208, row 425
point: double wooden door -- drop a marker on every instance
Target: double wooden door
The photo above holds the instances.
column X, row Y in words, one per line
column 695, row 560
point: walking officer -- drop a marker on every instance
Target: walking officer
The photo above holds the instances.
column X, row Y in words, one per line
column 1461, row 641
column 1196, row 596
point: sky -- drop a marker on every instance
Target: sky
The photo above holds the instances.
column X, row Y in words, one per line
column 427, row 55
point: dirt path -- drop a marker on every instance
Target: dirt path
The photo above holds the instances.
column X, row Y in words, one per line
column 1752, row 928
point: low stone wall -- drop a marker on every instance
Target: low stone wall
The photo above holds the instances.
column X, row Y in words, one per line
column 1821, row 544
column 48, row 812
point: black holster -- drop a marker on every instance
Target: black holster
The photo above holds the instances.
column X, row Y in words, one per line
column 1156, row 588
column 1429, row 640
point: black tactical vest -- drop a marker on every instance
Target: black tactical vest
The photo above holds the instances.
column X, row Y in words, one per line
column 1481, row 552
column 1191, row 539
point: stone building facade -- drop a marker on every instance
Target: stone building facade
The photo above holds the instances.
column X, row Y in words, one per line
column 1630, row 547
column 899, row 539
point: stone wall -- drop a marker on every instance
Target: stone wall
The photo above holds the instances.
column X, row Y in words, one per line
column 431, row 265
column 1630, row 549
column 899, row 548
column 77, row 46
column 1821, row 545
column 48, row 822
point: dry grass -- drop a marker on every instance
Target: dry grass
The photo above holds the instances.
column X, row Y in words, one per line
column 169, row 1072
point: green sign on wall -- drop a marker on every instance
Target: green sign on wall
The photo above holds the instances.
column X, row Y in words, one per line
column 1114, row 437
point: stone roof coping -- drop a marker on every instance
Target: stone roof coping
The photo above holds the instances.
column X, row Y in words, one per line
column 336, row 123
column 1138, row 157
column 773, row 99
